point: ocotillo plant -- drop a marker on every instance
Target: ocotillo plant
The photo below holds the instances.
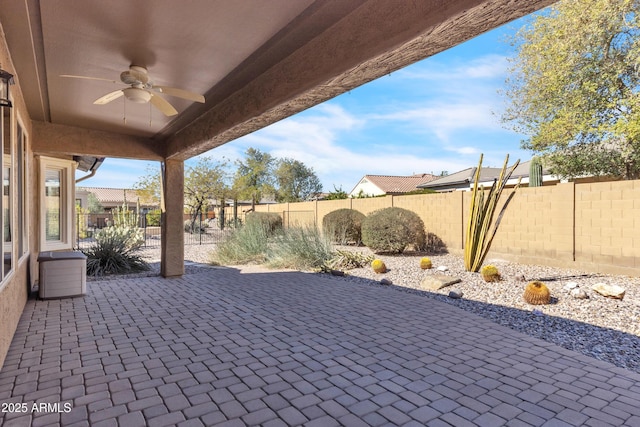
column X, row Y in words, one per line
column 535, row 172
column 478, row 239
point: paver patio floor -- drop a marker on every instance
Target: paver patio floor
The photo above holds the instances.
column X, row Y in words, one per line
column 284, row 349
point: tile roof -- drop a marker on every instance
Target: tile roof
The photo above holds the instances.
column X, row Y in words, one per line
column 111, row 195
column 399, row 184
column 464, row 176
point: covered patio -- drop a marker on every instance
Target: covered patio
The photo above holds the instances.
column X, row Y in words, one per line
column 221, row 346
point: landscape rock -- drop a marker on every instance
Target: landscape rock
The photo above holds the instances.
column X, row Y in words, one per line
column 455, row 294
column 442, row 268
column 578, row 293
column 570, row 286
column 386, row 282
column 438, row 281
column 611, row 291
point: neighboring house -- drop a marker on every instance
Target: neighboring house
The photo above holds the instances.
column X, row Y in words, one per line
column 110, row 198
column 463, row 180
column 380, row 185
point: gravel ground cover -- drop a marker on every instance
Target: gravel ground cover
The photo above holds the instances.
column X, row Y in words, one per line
column 604, row 328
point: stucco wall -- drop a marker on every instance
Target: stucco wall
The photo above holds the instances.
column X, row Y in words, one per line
column 13, row 289
column 589, row 226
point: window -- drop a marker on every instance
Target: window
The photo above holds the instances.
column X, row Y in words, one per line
column 56, row 203
column 6, row 203
column 21, row 166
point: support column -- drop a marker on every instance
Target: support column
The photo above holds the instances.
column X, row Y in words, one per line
column 172, row 254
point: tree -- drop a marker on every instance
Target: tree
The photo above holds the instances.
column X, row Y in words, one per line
column 148, row 186
column 93, row 204
column 254, row 176
column 574, row 87
column 204, row 184
column 295, row 181
column 337, row 194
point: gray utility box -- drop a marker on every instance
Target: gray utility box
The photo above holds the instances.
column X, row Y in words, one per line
column 62, row 274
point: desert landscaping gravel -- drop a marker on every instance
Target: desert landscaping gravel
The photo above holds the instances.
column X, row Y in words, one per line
column 604, row 328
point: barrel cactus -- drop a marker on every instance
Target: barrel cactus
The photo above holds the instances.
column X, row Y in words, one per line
column 378, row 266
column 490, row 273
column 425, row 263
column 537, row 293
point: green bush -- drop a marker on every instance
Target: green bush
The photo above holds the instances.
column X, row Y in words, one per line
column 153, row 217
column 300, row 248
column 132, row 237
column 247, row 244
column 112, row 254
column 195, row 227
column 344, row 226
column 271, row 221
column 392, row 230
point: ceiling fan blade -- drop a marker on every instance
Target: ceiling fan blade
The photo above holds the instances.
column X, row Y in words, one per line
column 87, row 78
column 180, row 93
column 111, row 96
column 162, row 105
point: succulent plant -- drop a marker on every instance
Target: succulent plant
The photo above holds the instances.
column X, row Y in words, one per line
column 537, row 293
column 425, row 263
column 378, row 266
column 490, row 273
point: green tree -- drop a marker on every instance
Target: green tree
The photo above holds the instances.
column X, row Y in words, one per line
column 149, row 186
column 93, row 204
column 573, row 87
column 295, row 181
column 337, row 194
column 205, row 184
column 254, row 176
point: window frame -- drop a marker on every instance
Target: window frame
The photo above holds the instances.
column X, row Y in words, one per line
column 67, row 190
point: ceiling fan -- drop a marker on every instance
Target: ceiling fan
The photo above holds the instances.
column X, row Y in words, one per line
column 142, row 90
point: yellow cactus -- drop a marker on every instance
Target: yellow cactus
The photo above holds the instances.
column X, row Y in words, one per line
column 425, row 263
column 378, row 266
column 537, row 293
column 490, row 273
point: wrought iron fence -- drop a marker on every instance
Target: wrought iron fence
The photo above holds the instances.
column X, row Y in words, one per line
column 204, row 229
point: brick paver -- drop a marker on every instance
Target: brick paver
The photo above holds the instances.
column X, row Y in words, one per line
column 218, row 347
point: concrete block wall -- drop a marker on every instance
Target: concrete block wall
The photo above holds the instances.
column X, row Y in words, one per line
column 589, row 226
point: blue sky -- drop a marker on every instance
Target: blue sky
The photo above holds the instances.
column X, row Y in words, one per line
column 436, row 115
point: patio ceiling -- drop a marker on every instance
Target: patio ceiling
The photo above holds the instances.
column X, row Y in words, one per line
column 256, row 62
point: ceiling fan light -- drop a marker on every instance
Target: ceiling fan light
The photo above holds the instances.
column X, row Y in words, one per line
column 137, row 95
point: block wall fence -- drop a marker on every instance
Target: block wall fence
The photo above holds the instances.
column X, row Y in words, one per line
column 586, row 226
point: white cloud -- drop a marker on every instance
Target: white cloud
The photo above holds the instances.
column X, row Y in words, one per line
column 318, row 139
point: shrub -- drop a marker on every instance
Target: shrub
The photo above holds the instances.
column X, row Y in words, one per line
column 347, row 260
column 195, row 227
column 425, row 263
column 537, row 293
column 344, row 226
column 153, row 217
column 270, row 221
column 247, row 244
column 299, row 248
column 392, row 230
column 132, row 237
column 490, row 273
column 378, row 266
column 112, row 254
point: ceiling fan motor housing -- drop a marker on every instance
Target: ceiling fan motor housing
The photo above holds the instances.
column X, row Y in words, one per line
column 135, row 75
column 137, row 95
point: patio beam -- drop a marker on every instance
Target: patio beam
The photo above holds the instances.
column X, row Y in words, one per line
column 55, row 139
column 373, row 39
